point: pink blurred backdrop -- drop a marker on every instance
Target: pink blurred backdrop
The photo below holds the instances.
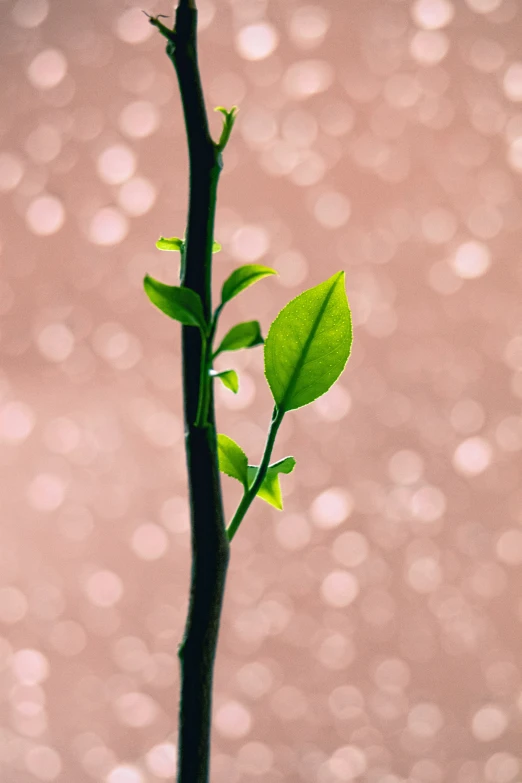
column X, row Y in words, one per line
column 372, row 630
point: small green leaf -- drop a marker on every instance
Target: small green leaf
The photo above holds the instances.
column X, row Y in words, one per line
column 227, row 113
column 243, row 335
column 228, row 378
column 229, row 117
column 241, row 278
column 308, row 344
column 169, row 243
column 183, row 304
column 270, row 489
column 175, row 243
column 232, row 459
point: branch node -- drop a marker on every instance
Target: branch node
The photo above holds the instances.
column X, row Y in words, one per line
column 166, row 32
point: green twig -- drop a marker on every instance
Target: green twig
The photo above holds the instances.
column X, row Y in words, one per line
column 249, row 495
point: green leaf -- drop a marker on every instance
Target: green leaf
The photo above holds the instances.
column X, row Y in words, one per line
column 228, row 378
column 175, row 243
column 270, row 489
column 243, row 335
column 232, row 459
column 241, row 278
column 229, row 117
column 183, row 304
column 308, row 344
column 169, row 243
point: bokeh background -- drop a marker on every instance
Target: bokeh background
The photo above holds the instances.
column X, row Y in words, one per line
column 371, row 630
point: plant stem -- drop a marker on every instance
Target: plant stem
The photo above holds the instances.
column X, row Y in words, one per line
column 210, row 546
column 204, row 386
column 248, row 497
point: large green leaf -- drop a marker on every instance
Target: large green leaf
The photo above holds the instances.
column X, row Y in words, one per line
column 270, row 489
column 228, row 378
column 241, row 278
column 308, row 344
column 232, row 459
column 183, row 304
column 243, row 335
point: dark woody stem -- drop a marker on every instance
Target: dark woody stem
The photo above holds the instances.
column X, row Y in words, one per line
column 210, row 546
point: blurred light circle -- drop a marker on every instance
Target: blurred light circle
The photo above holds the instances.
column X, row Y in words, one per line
column 489, row 723
column 30, row 666
column 11, row 171
column 43, row 762
column 351, row 548
column 104, row 588
column 331, row 507
column 16, row 421
column 486, row 55
column 339, row 588
column 509, row 547
column 438, row 225
column 44, row 143
column 255, row 758
column 392, row 674
column 30, row 13
column 429, row 47
column 55, row 342
column 61, row 435
column 233, row 720
column 136, row 709
column 467, row 416
column 513, row 82
column 308, row 25
column 347, row 763
column 346, row 702
column 332, row 209
column 13, row 605
column 125, row 773
column 405, row 466
column 472, row 456
column 501, row 767
column 428, row 503
column 133, row 28
column 46, row 492
column 149, row 541
column 432, row 14
column 250, row 243
column 68, row 637
column 424, row 574
column 47, row 69
column 307, row 77
column 472, row 259
column 108, row 227
column 293, row 531
column 45, row 215
column 116, row 164
column 139, row 119
column 137, row 196
column 425, row 719
column 257, row 41
column 161, row 760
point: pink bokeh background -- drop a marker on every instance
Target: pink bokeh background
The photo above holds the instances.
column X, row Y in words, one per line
column 371, row 630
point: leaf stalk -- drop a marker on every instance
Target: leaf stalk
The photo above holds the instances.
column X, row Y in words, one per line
column 251, row 492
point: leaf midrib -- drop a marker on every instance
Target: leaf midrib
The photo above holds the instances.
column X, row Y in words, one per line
column 301, row 361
